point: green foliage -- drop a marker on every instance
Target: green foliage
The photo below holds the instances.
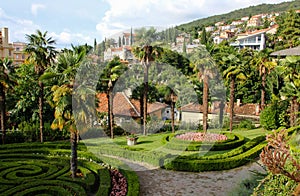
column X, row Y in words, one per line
column 274, row 115
column 45, row 170
column 237, row 14
column 184, row 164
column 246, row 124
column 276, row 185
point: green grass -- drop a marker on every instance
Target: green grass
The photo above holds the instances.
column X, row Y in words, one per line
column 153, row 148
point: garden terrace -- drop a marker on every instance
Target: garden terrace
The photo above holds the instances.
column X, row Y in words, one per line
column 166, row 151
column 34, row 168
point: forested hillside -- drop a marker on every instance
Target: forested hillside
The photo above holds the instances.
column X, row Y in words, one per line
column 237, row 14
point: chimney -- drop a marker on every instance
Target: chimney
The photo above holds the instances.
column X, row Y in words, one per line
column 5, row 35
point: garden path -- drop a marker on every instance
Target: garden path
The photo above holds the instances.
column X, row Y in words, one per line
column 156, row 181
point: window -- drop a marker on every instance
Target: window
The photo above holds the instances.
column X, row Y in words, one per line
column 17, row 49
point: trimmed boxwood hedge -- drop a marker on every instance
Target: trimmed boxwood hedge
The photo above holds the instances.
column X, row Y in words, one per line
column 217, row 163
column 34, row 168
column 233, row 141
column 234, row 158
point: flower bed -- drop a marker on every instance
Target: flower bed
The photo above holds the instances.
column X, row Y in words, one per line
column 202, row 137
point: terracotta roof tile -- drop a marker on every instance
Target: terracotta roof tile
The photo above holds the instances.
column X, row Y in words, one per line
column 123, row 106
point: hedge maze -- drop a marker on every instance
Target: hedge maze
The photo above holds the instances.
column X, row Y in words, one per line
column 44, row 169
column 233, row 152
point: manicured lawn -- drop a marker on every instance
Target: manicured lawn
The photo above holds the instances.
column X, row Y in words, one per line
column 155, row 149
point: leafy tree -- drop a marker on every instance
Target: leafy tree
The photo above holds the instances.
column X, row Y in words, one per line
column 6, row 81
column 289, row 29
column 203, row 37
column 41, row 52
column 95, row 45
column 176, row 60
column 290, row 69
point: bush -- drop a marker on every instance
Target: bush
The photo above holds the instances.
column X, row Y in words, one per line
column 274, row 115
column 246, row 124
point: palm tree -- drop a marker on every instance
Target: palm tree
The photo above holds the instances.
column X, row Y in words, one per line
column 232, row 73
column 111, row 73
column 41, row 52
column 202, row 66
column 5, row 82
column 264, row 65
column 63, row 72
column 146, row 55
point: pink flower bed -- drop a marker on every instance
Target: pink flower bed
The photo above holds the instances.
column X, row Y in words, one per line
column 200, row 137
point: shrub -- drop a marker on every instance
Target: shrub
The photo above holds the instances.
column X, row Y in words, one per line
column 246, row 124
column 274, row 115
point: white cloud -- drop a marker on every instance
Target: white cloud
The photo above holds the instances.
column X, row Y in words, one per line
column 124, row 14
column 36, row 7
column 65, row 38
column 17, row 27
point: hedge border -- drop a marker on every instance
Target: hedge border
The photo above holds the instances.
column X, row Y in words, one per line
column 61, row 151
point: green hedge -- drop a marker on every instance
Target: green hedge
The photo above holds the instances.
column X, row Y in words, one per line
column 196, row 165
column 233, row 141
column 34, row 168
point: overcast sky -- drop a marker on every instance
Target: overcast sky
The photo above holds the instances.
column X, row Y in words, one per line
column 80, row 21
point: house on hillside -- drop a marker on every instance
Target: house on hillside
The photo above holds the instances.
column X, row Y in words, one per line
column 255, row 40
column 124, row 53
column 125, row 109
column 255, row 21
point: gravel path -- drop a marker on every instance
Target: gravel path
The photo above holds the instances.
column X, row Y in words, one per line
column 156, row 181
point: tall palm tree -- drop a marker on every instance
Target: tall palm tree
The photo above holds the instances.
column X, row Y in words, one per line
column 232, row 73
column 5, row 82
column 41, row 52
column 146, row 55
column 264, row 64
column 202, row 66
column 111, row 73
column 63, row 72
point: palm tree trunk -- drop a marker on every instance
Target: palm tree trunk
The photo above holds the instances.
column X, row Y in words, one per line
column 110, row 112
column 73, row 160
column 145, row 94
column 172, row 113
column 41, row 105
column 3, row 116
column 231, row 103
column 222, row 105
column 263, row 91
column 205, row 103
column 294, row 111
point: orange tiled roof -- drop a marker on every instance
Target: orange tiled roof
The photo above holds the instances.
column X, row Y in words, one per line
column 124, row 106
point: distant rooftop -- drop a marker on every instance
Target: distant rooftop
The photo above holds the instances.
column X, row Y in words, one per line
column 287, row 52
